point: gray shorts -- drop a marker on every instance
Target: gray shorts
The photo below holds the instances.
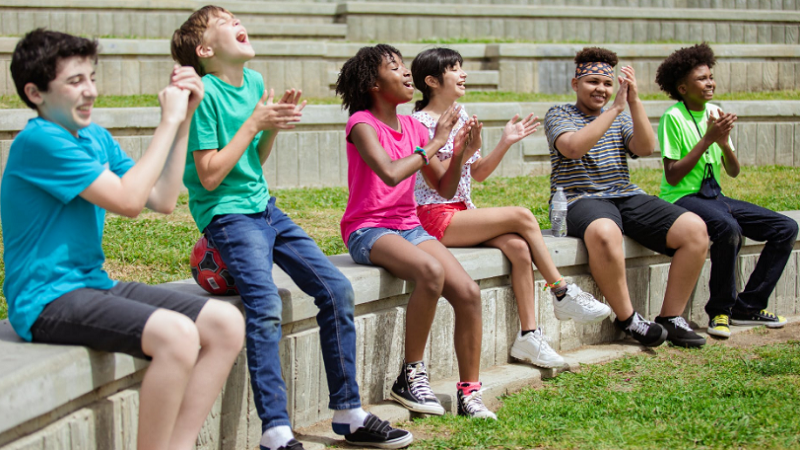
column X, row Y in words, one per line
column 361, row 241
column 110, row 320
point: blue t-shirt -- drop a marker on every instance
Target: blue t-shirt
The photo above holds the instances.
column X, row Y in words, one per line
column 52, row 236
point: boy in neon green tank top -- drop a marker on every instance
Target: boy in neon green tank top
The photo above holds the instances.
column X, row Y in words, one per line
column 695, row 143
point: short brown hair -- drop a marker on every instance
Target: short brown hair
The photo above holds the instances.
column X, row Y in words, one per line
column 596, row 54
column 189, row 36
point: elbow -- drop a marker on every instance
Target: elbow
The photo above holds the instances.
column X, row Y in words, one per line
column 671, row 179
column 209, row 183
column 131, row 211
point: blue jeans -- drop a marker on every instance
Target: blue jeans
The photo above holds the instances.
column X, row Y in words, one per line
column 362, row 240
column 249, row 244
column 727, row 221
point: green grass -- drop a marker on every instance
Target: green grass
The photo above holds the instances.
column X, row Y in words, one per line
column 718, row 397
column 132, row 101
column 155, row 249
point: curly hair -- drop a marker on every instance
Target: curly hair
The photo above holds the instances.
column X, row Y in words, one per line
column 679, row 64
column 596, row 54
column 189, row 36
column 359, row 74
column 433, row 62
column 36, row 57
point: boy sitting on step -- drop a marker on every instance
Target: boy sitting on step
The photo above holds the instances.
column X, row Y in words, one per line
column 232, row 134
column 589, row 146
column 63, row 174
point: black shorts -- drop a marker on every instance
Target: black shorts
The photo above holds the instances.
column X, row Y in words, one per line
column 110, row 320
column 644, row 218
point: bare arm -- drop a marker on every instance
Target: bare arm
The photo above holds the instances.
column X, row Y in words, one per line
column 575, row 144
column 267, row 140
column 444, row 178
column 214, row 165
column 127, row 195
column 513, row 132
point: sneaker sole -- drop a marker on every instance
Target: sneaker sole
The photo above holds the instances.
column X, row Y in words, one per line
column 694, row 343
column 758, row 322
column 434, row 410
column 524, row 358
column 404, row 441
column 564, row 318
column 717, row 333
column 657, row 342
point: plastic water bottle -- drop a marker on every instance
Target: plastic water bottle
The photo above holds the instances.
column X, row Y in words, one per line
column 558, row 213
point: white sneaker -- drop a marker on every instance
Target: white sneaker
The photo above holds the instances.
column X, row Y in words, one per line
column 580, row 306
column 533, row 348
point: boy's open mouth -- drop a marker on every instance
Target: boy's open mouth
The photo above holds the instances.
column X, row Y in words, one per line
column 242, row 37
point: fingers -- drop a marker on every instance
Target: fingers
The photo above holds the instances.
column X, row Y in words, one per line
column 300, row 107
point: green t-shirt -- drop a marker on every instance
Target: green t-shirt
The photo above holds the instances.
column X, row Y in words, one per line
column 217, row 119
column 678, row 135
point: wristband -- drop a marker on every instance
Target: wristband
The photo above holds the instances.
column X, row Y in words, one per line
column 421, row 151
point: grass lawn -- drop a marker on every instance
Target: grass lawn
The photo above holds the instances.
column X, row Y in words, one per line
column 155, row 249
column 740, row 394
column 143, row 100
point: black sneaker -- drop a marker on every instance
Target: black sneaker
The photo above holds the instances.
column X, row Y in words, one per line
column 378, row 433
column 293, row 444
column 762, row 317
column 649, row 334
column 680, row 333
column 471, row 405
column 413, row 390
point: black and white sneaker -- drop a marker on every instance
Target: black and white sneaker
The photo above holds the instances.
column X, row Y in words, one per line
column 649, row 334
column 293, row 444
column 378, row 433
column 413, row 390
column 763, row 317
column 680, row 333
column 471, row 405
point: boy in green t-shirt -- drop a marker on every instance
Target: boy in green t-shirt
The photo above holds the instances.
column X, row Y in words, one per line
column 232, row 133
column 695, row 142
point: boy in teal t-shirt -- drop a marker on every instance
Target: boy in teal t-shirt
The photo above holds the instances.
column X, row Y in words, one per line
column 695, row 143
column 232, row 134
column 63, row 173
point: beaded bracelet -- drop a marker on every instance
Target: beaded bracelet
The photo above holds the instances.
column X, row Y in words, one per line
column 551, row 286
column 421, row 152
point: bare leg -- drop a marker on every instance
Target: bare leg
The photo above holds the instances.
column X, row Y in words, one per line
column 603, row 240
column 476, row 226
column 408, row 262
column 522, row 282
column 172, row 340
column 689, row 237
column 221, row 330
column 465, row 297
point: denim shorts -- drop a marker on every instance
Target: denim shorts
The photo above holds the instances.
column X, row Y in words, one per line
column 362, row 240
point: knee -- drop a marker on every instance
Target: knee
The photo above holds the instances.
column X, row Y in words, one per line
column 173, row 337
column 526, row 218
column 430, row 276
column 790, row 231
column 469, row 300
column 518, row 252
column 728, row 233
column 344, row 294
column 224, row 327
column 695, row 232
column 603, row 238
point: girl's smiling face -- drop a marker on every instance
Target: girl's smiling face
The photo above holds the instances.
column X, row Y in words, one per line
column 453, row 84
column 394, row 80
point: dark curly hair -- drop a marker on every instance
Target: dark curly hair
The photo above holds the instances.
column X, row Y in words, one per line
column 433, row 62
column 677, row 66
column 36, row 56
column 359, row 74
column 596, row 54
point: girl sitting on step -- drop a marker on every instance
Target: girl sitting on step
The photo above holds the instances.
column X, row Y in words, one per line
column 456, row 221
column 380, row 226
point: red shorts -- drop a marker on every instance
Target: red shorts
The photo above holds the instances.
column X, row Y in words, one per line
column 436, row 217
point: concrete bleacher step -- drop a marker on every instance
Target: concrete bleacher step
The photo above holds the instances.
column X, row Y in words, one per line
column 779, row 5
column 497, row 381
column 297, row 31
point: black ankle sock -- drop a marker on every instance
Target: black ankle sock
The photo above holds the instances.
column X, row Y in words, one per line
column 625, row 323
column 524, row 332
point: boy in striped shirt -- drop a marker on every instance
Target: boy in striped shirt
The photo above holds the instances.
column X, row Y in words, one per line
column 589, row 146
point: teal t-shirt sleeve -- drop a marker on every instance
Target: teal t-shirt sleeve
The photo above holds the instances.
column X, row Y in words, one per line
column 60, row 167
column 118, row 161
column 203, row 131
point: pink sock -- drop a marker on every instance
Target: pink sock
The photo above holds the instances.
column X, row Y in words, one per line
column 468, row 387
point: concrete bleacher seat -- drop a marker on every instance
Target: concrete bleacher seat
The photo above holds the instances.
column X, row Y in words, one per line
column 73, row 398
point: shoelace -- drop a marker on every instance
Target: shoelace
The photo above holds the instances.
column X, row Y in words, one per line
column 543, row 341
column 639, row 325
column 418, row 379
column 770, row 315
column 473, row 402
column 583, row 298
column 721, row 319
column 680, row 322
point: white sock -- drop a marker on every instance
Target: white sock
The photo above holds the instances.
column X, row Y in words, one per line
column 352, row 418
column 277, row 437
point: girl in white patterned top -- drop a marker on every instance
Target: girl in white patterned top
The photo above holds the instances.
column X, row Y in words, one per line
column 456, row 222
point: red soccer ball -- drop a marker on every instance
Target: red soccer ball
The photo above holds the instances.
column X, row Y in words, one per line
column 209, row 271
